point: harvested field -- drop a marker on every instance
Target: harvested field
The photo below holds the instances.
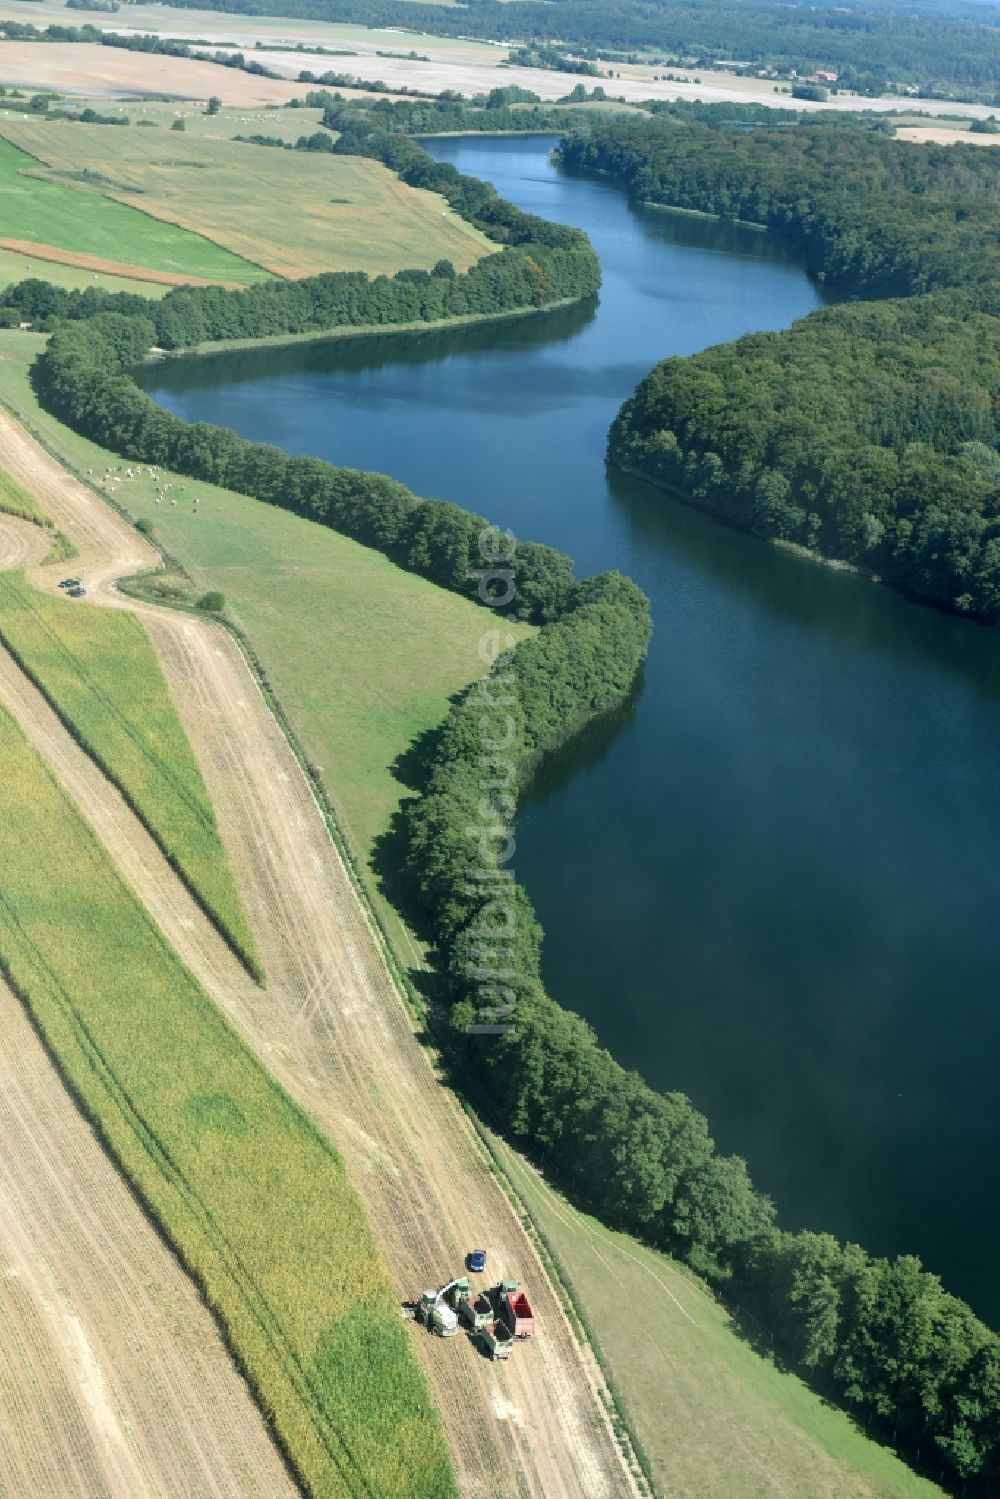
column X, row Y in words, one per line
column 467, row 66
column 312, row 212
column 101, row 675
column 941, row 135
column 256, row 1204
column 334, row 1030
column 22, row 544
column 88, row 70
column 114, row 1381
column 70, row 217
column 16, row 501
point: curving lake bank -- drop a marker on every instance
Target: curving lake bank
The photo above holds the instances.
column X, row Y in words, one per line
column 772, row 883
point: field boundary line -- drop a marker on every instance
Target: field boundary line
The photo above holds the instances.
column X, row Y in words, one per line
column 125, row 269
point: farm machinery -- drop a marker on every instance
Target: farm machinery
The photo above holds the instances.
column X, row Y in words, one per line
column 496, row 1319
column 436, row 1313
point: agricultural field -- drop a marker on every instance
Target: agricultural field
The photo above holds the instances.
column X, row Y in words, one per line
column 289, row 124
column 90, row 71
column 312, row 212
column 85, row 224
column 257, row 1204
column 107, row 1346
column 98, row 670
column 16, row 501
column 714, row 1417
column 17, row 265
column 945, row 135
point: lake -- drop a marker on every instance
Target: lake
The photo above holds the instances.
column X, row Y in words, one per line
column 771, row 882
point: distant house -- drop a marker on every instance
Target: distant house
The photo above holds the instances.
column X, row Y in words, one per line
column 821, row 75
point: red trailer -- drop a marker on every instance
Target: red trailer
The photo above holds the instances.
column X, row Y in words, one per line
column 518, row 1314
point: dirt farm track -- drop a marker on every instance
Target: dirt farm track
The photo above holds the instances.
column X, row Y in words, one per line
column 332, row 1026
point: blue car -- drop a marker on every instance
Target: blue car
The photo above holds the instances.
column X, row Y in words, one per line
column 476, row 1261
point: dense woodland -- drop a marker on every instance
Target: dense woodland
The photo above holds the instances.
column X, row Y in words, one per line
column 868, row 431
column 880, row 1337
column 947, row 44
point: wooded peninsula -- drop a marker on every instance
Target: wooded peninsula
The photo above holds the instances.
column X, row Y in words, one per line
column 867, row 431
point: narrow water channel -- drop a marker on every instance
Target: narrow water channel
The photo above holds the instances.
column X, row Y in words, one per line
column 772, row 883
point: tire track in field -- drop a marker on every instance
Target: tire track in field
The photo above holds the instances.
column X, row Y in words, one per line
column 331, row 1024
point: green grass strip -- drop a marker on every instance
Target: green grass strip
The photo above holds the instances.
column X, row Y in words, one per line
column 256, row 1203
column 98, row 670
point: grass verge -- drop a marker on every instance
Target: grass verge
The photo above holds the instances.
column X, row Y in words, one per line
column 258, row 1206
column 98, row 670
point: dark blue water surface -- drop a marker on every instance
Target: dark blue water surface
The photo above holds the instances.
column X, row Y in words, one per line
column 772, row 882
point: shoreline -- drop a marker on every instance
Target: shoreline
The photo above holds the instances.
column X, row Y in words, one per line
column 354, row 330
column 792, row 548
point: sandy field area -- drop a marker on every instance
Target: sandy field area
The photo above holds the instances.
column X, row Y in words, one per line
column 94, row 72
column 940, row 135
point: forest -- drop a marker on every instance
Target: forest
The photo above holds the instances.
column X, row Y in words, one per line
column 882, row 1338
column 867, row 431
column 945, row 47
